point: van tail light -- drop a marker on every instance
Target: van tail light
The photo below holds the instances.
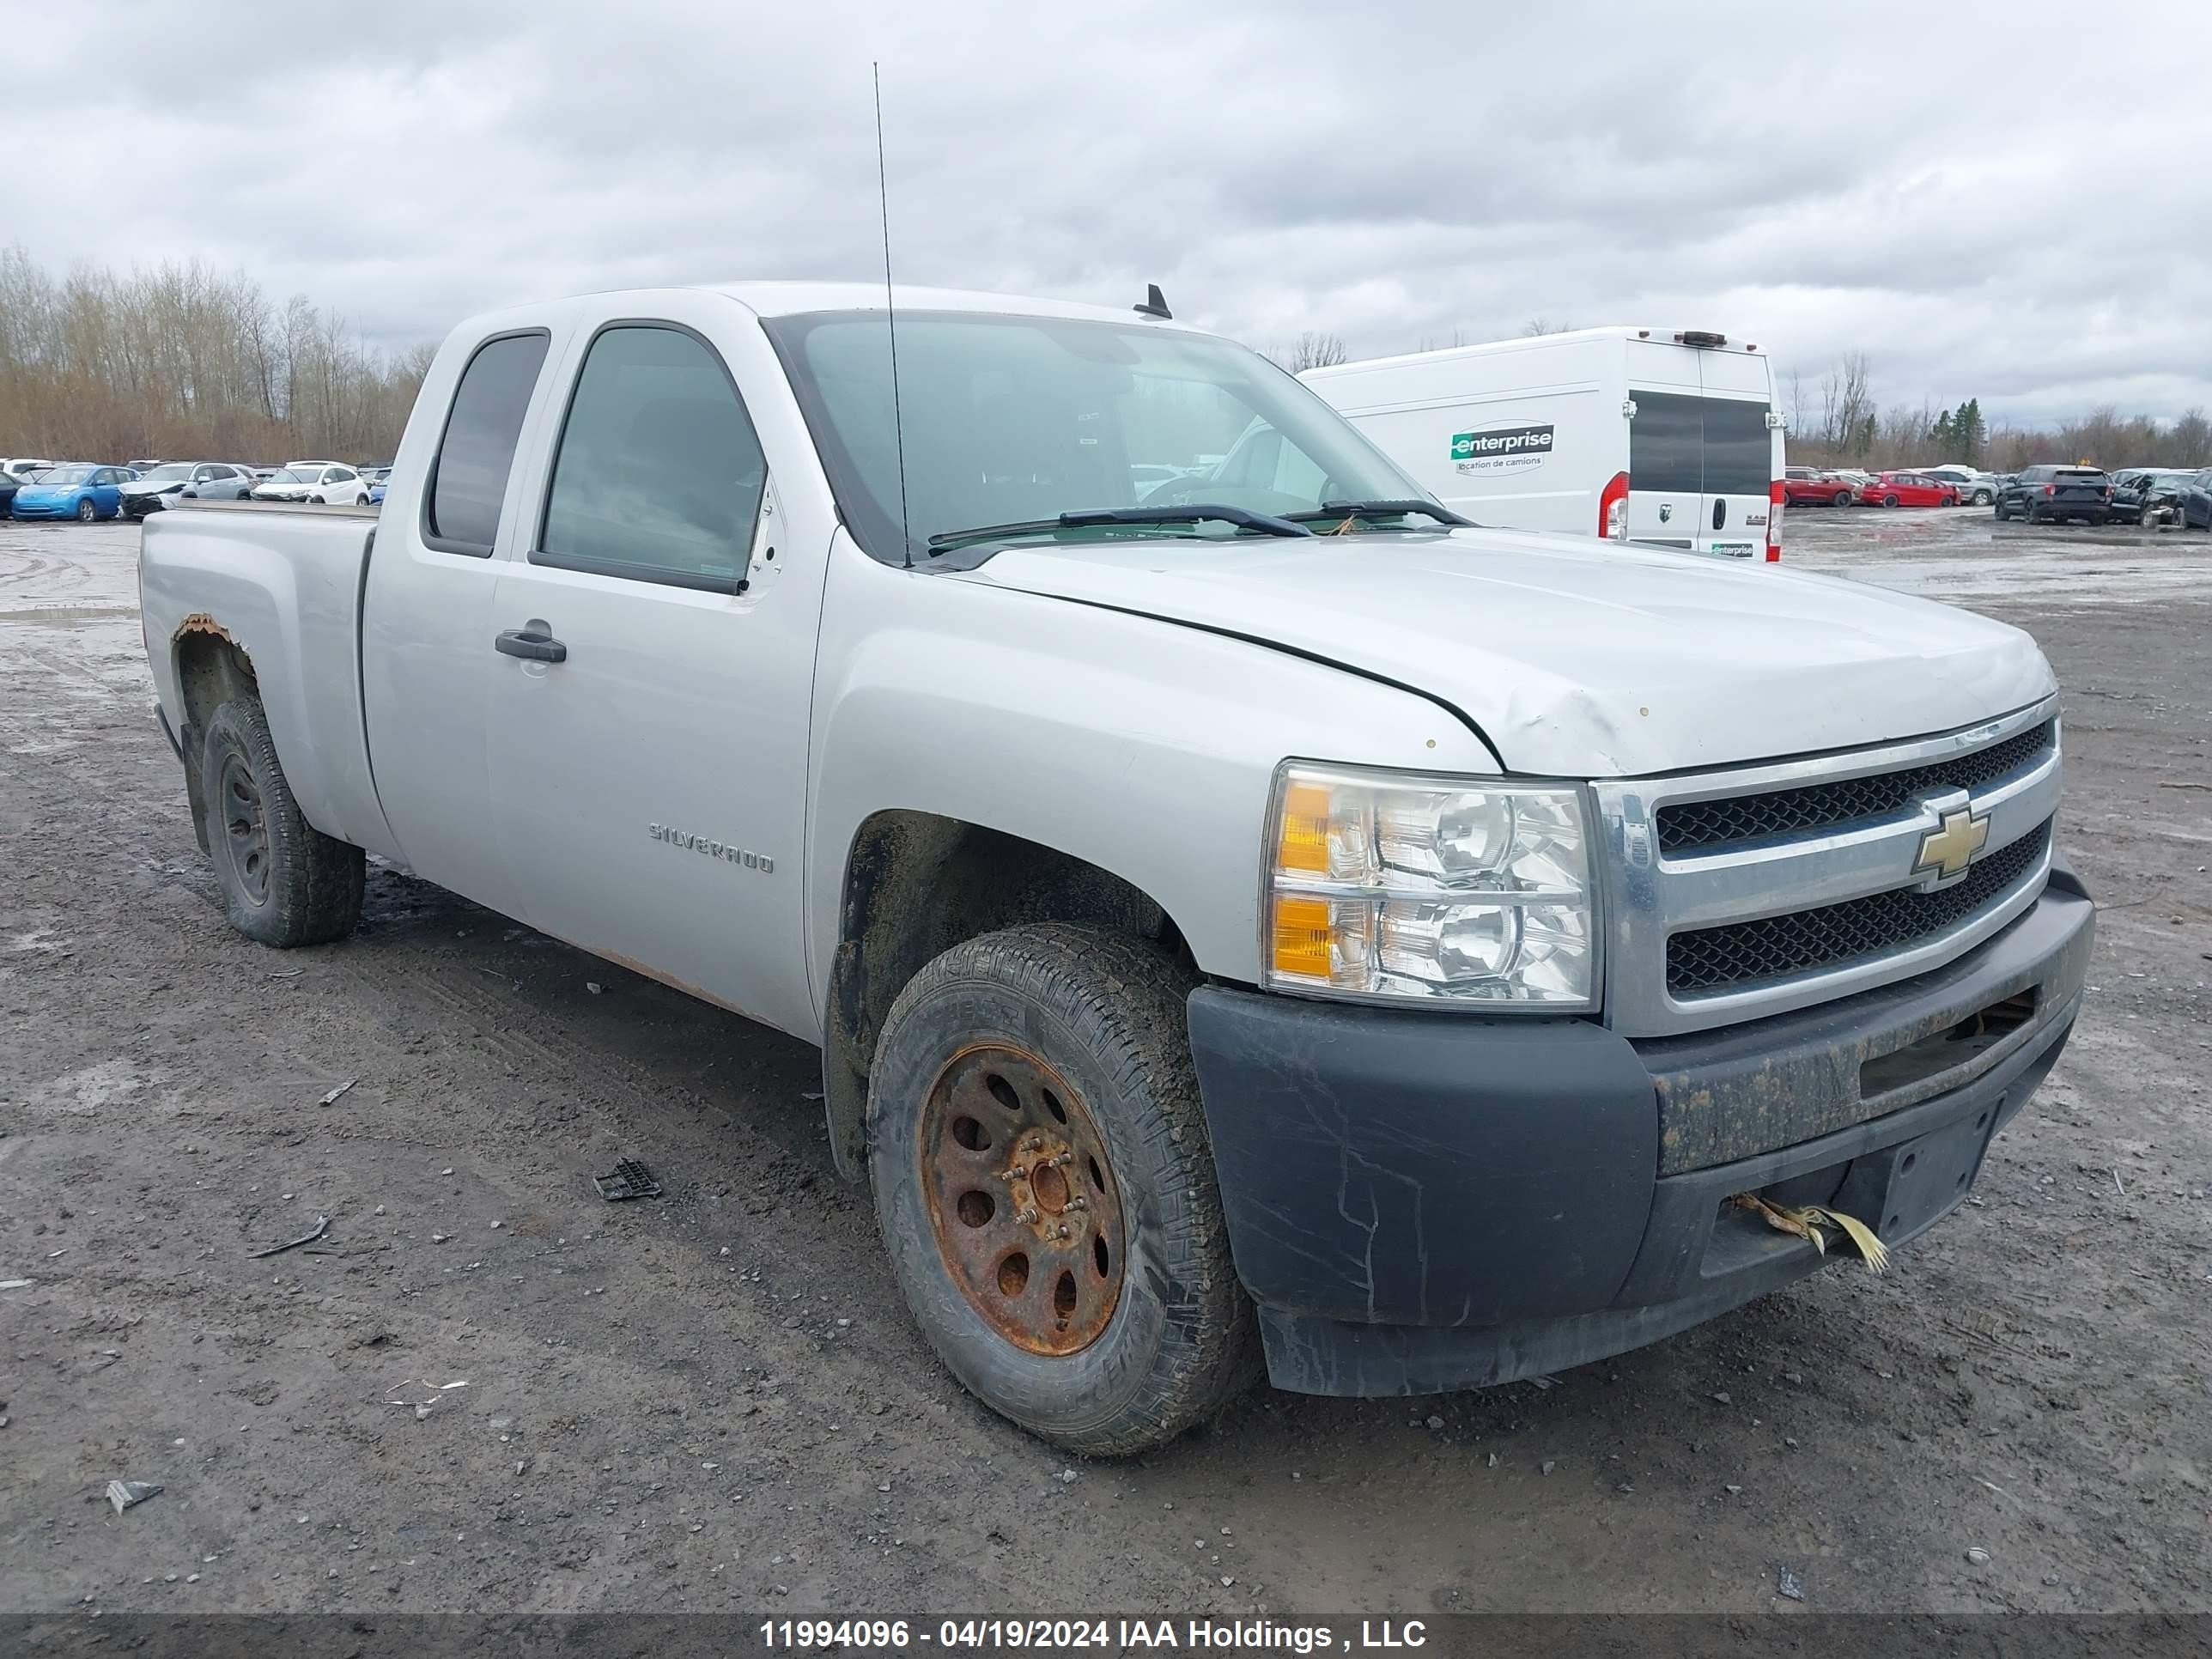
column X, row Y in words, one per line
column 1612, row 509
column 1778, row 497
column 2051, row 489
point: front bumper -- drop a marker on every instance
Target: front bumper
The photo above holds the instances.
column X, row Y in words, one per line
column 139, row 507
column 1420, row 1202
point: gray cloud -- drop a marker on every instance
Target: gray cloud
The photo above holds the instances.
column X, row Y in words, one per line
column 1866, row 179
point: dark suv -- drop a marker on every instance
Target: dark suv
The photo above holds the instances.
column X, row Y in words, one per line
column 2055, row 493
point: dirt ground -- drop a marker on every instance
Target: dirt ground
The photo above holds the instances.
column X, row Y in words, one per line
column 715, row 1401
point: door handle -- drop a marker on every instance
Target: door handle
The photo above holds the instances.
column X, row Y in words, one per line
column 532, row 645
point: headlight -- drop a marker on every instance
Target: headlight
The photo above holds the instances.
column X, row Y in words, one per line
column 1415, row 887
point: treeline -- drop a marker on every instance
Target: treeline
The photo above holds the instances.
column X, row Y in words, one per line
column 1834, row 422
column 182, row 363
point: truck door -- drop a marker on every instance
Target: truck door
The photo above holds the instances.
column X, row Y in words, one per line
column 650, row 693
column 426, row 618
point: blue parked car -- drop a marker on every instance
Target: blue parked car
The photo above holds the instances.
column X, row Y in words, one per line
column 73, row 490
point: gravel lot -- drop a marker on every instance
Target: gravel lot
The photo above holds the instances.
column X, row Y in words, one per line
column 715, row 1401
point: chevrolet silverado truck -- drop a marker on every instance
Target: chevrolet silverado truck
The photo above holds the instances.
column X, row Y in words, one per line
column 1249, row 916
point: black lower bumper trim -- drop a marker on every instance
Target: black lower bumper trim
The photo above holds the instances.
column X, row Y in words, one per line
column 1418, row 1203
column 1715, row 1259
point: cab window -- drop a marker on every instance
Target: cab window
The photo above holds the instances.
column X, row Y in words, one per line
column 659, row 476
column 468, row 478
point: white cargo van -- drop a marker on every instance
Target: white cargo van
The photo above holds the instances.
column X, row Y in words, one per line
column 1658, row 435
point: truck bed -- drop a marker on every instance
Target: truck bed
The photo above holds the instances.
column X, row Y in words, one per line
column 286, row 584
column 301, row 507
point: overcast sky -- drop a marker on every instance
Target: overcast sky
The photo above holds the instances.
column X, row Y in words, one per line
column 2011, row 205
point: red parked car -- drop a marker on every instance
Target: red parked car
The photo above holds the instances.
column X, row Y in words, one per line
column 1811, row 486
column 1908, row 489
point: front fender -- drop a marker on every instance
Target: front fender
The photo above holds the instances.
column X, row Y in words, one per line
column 1142, row 746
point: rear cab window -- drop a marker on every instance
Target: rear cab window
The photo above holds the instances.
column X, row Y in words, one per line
column 475, row 452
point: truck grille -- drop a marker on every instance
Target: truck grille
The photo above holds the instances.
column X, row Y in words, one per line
column 1698, row 826
column 1745, row 953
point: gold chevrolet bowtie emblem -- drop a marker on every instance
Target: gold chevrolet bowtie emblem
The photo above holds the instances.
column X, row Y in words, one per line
column 1950, row 849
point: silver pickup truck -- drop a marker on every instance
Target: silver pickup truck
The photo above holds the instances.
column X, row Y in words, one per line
column 1248, row 914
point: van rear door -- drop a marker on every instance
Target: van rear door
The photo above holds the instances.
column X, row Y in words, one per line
column 1702, row 457
column 1666, row 444
column 1741, row 458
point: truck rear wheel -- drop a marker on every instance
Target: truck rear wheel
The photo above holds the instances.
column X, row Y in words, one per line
column 284, row 882
column 1045, row 1191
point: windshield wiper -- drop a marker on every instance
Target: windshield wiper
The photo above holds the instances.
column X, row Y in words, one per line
column 1106, row 517
column 1381, row 510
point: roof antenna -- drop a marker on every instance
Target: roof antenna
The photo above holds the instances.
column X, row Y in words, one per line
column 1155, row 305
column 890, row 318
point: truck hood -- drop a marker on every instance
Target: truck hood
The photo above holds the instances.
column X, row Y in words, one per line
column 1575, row 657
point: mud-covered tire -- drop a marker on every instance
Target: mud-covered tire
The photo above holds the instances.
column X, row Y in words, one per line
column 1105, row 1012
column 284, row 882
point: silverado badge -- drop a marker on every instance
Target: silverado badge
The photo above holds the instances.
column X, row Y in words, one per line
column 1948, row 850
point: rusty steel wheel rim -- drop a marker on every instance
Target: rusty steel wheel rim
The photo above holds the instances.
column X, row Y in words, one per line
column 1023, row 1200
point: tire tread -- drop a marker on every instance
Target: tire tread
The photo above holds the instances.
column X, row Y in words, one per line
column 316, row 881
column 1124, row 997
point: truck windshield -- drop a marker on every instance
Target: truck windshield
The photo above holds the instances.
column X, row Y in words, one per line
column 1016, row 420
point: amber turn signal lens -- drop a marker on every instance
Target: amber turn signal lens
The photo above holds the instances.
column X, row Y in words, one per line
column 1305, row 843
column 1302, row 933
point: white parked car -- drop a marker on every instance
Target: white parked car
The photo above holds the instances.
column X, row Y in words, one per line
column 24, row 465
column 315, row 482
column 1976, row 488
column 164, row 485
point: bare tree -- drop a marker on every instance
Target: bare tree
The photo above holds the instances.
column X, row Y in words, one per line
column 1312, row 351
column 1536, row 326
column 2190, row 443
column 182, row 360
column 2098, row 438
column 1854, row 378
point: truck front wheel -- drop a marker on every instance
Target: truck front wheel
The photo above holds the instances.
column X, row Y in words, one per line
column 284, row 882
column 1045, row 1191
